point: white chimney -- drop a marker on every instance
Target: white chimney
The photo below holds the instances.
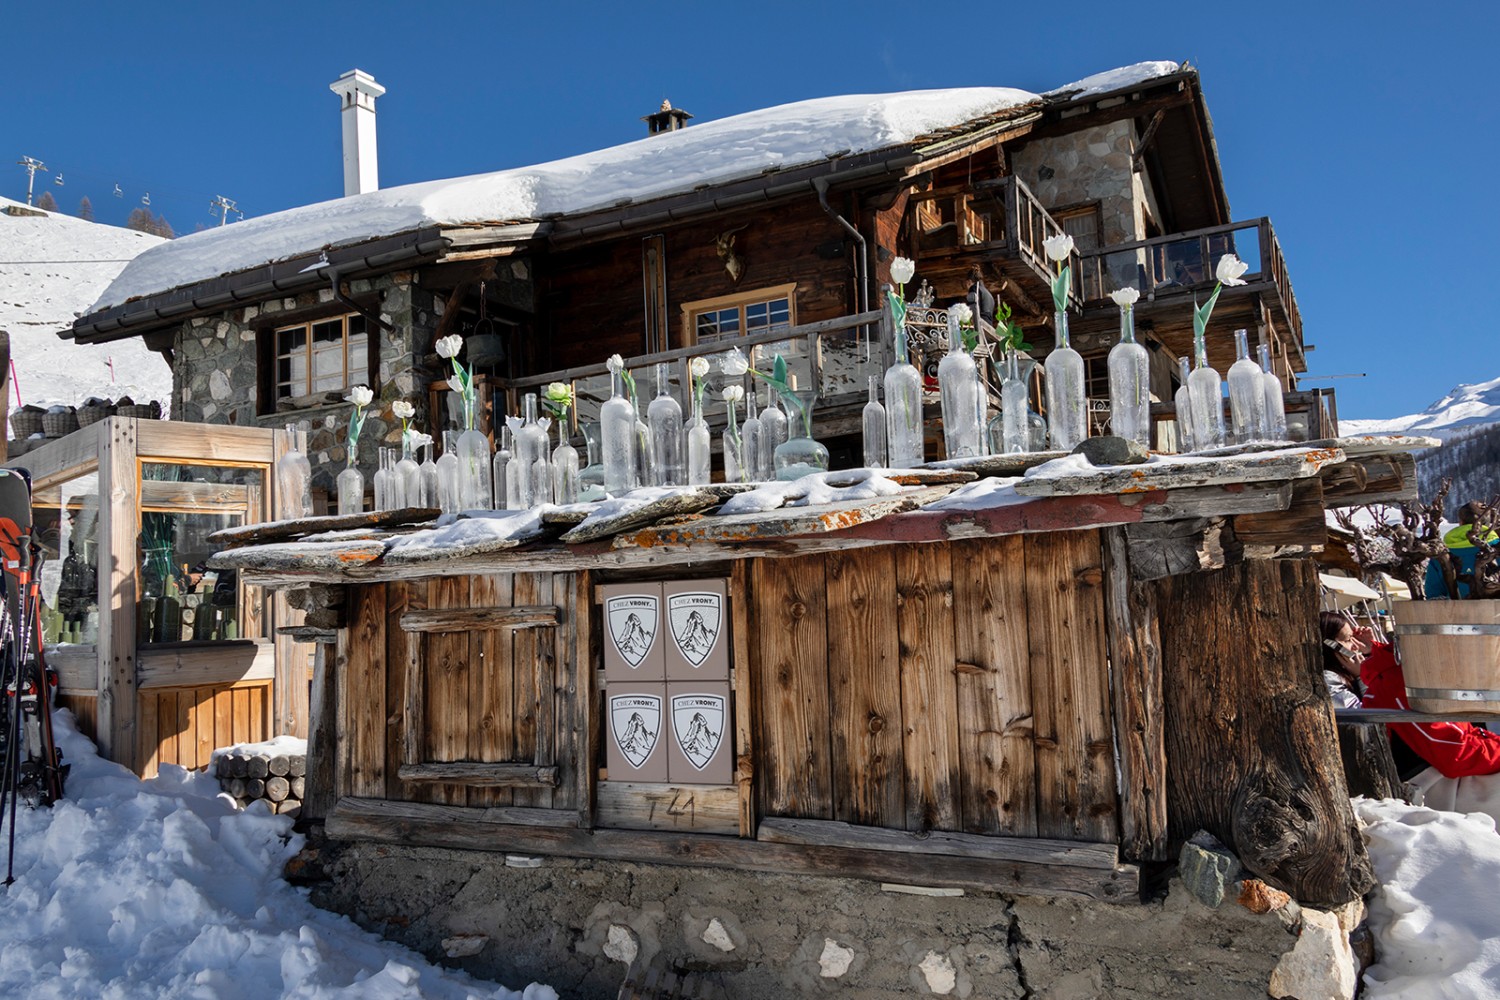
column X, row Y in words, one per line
column 357, row 91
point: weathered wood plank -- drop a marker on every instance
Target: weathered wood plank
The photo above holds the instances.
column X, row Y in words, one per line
column 745, row 654
column 1259, row 467
column 322, row 744
column 598, row 526
column 1302, row 527
column 398, row 655
column 1002, row 466
column 686, row 808
column 929, row 690
column 1135, row 672
column 481, row 775
column 864, row 685
column 815, row 832
column 466, row 537
column 587, row 714
column 490, row 725
column 479, row 618
column 997, row 793
column 791, row 677
column 148, row 736
column 366, row 690
column 200, row 664
column 526, row 695
column 565, row 721
column 1070, row 696
column 445, row 687
column 418, row 594
column 116, row 644
column 303, row 557
column 473, row 829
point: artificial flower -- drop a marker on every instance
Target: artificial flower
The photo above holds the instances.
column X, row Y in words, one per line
column 615, row 364
column 1058, row 247
column 361, row 396
column 1125, row 297
column 734, row 393
column 698, row 366
column 734, row 364
column 1229, row 269
column 449, row 346
column 420, row 440
column 902, row 270
column 557, row 398
column 1228, row 272
column 961, row 312
column 456, row 384
column 403, row 410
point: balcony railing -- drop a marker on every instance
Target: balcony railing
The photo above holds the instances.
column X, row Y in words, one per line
column 1184, row 262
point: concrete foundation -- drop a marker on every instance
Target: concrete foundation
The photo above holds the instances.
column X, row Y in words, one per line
column 579, row 925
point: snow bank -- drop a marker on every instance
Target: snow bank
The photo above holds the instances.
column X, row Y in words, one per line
column 1115, row 79
column 162, row 889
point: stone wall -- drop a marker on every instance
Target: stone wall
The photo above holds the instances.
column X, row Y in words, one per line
column 581, row 926
column 1092, row 164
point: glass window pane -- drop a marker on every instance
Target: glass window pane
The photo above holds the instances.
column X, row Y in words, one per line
column 291, row 339
column 328, row 332
column 67, row 529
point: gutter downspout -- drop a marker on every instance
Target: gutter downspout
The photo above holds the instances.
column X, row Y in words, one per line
column 861, row 291
column 336, row 282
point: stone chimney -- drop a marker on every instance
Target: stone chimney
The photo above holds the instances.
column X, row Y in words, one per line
column 668, row 119
column 357, row 91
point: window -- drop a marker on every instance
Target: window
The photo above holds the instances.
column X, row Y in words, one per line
column 1082, row 223
column 734, row 316
column 325, row 355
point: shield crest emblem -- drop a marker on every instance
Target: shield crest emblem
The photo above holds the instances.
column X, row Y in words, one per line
column 695, row 619
column 633, row 625
column 635, row 722
column 698, row 725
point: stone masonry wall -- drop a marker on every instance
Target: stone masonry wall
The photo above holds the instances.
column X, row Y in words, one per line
column 215, row 370
column 1092, row 164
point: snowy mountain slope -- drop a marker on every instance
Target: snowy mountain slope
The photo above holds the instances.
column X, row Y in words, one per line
column 52, row 268
column 1465, row 406
column 1467, row 420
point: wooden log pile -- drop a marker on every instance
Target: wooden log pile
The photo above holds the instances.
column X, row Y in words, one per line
column 279, row 780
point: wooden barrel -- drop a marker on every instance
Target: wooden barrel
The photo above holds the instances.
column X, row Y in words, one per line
column 1450, row 654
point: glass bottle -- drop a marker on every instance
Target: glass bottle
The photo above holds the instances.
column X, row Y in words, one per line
column 874, row 427
column 382, row 479
column 1184, row 402
column 474, row 469
column 1130, row 385
column 752, row 442
column 591, row 476
column 800, row 454
column 531, row 457
column 617, row 438
column 644, row 467
column 294, row 475
column 772, row 431
column 447, row 470
column 500, row 466
column 665, row 418
column 734, row 465
column 958, row 386
column 351, row 487
column 1206, row 399
column 429, row 477
column 565, row 487
column 408, row 474
column 700, row 447
column 1275, row 404
column 1015, row 405
column 1067, row 408
column 903, row 403
column 1247, row 393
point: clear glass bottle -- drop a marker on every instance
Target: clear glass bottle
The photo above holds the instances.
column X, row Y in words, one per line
column 903, row 407
column 734, row 465
column 752, row 442
column 429, row 477
column 1015, row 406
column 1183, row 398
column 294, row 475
column 664, row 415
column 772, row 431
column 874, row 428
column 447, row 471
column 1247, row 393
column 645, row 472
column 383, row 479
column 351, row 487
column 1130, row 385
column 591, row 476
column 1275, row 403
column 700, row 448
column 801, row 455
column 958, row 386
column 531, row 457
column 565, row 484
column 1067, row 407
column 474, row 471
column 617, row 438
column 1206, row 396
column 500, row 466
column 408, row 474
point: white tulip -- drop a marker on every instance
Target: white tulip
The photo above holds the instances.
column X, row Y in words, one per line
column 962, row 313
column 734, row 364
column 1058, row 247
column 360, row 396
column 734, row 393
column 1229, row 270
column 698, row 366
column 1125, row 297
column 615, row 364
column 403, row 410
column 456, row 384
column 902, row 270
column 420, row 440
column 450, row 345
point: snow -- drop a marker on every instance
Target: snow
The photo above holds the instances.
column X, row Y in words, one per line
column 161, row 888
column 52, row 267
column 1466, row 406
column 1115, row 79
column 982, row 494
column 475, row 527
column 711, row 153
column 812, row 490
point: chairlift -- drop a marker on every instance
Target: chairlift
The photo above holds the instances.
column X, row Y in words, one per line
column 119, row 193
column 58, row 180
column 146, row 198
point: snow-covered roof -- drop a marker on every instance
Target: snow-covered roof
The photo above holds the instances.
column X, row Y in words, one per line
column 705, row 155
column 52, row 267
column 1115, row 79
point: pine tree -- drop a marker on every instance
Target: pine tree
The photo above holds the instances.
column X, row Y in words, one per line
column 86, row 209
column 140, row 220
column 161, row 227
column 46, row 202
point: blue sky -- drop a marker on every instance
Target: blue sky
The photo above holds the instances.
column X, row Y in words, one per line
column 1367, row 132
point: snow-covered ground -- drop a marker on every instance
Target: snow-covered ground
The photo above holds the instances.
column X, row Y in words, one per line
column 52, row 268
column 1466, row 406
column 161, row 888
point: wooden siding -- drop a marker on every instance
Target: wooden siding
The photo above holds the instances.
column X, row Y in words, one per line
column 183, row 725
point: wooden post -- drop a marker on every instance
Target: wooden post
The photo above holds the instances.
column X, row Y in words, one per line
column 118, row 528
column 322, row 745
column 1252, row 755
column 290, row 684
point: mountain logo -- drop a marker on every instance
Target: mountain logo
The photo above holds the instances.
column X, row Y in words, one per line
column 698, row 724
column 635, row 723
column 633, row 623
column 695, row 620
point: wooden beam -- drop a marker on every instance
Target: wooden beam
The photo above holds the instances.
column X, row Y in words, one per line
column 1230, row 469
column 117, row 706
column 206, row 664
column 480, row 775
column 420, row 824
column 684, row 808
column 482, row 619
column 1037, row 850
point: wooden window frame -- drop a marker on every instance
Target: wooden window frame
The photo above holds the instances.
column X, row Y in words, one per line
column 269, row 326
column 737, row 300
column 1078, row 211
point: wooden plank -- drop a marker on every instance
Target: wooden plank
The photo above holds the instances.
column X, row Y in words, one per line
column 304, row 557
column 1070, row 696
column 929, row 691
column 293, row 528
column 203, row 724
column 479, row 775
column 118, row 528
column 1301, row 528
column 997, row 788
column 68, row 456
column 241, row 719
column 260, row 713
column 627, row 805
column 148, row 752
column 445, row 688
column 1290, row 464
column 397, row 660
column 491, row 728
column 366, row 690
column 469, row 829
column 864, row 686
column 1002, row 466
column 187, row 737
column 322, row 745
column 564, row 686
column 543, row 660
column 814, row 832
column 587, row 713
column 480, row 618
column 741, row 675
column 207, row 663
column 209, row 442
column 77, row 669
column 791, row 683
column 601, row 525
column 199, row 496
column 424, row 548
column 223, row 717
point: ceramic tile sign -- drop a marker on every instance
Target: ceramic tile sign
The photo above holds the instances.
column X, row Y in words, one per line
column 633, row 632
column 697, row 641
column 701, row 750
column 636, row 747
